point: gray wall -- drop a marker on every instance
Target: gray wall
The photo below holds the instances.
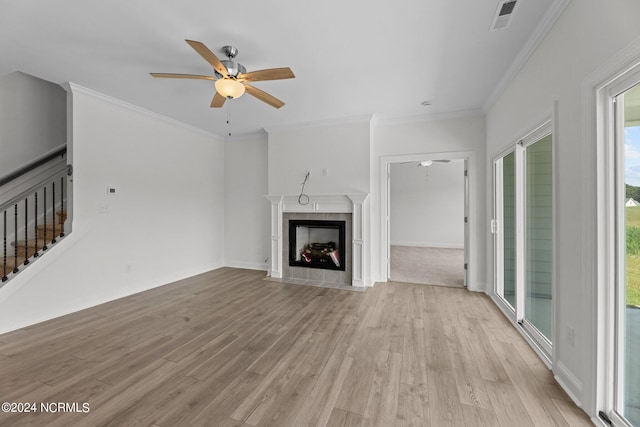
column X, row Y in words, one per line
column 33, row 119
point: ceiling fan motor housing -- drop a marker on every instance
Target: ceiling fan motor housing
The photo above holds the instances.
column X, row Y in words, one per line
column 233, row 68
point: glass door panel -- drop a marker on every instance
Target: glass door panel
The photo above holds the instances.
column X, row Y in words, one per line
column 628, row 286
column 504, row 228
column 538, row 238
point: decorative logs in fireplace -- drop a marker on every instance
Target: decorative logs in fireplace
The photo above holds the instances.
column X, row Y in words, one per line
column 317, row 244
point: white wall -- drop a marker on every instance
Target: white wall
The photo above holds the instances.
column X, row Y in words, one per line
column 400, row 140
column 247, row 211
column 587, row 34
column 352, row 151
column 166, row 220
column 342, row 148
column 427, row 205
column 33, row 119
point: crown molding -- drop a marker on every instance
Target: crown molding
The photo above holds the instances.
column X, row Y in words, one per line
column 320, row 123
column 422, row 118
column 75, row 88
column 549, row 19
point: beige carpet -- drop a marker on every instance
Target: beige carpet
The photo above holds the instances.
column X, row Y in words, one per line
column 428, row 266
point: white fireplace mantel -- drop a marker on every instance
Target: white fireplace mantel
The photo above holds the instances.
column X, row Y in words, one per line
column 348, row 203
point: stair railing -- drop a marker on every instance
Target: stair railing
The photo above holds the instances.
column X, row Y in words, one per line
column 23, row 170
column 37, row 214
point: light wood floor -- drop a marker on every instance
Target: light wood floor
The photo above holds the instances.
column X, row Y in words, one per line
column 227, row 348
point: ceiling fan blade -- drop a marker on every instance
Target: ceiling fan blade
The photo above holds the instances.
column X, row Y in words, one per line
column 442, row 161
column 182, row 76
column 264, row 96
column 217, row 101
column 268, row 74
column 208, row 56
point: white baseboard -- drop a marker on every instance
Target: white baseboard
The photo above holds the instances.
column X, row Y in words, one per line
column 246, row 265
column 478, row 287
column 427, row 245
column 569, row 383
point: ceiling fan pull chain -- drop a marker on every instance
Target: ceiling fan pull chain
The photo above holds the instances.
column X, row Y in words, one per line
column 228, row 121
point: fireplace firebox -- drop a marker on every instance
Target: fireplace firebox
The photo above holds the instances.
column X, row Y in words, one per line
column 317, row 244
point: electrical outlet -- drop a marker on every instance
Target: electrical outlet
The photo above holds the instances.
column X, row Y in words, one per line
column 570, row 336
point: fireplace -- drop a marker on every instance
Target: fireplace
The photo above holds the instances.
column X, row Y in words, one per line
column 317, row 244
column 350, row 209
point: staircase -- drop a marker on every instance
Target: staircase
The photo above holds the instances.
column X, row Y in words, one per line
column 23, row 252
column 32, row 219
column 47, row 235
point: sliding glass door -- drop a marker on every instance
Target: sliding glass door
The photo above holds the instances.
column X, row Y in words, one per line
column 523, row 233
column 627, row 292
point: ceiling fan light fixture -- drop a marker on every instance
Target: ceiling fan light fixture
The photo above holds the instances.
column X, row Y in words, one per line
column 229, row 88
column 426, row 163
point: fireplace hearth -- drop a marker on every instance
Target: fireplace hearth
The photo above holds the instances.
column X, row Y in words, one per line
column 317, row 244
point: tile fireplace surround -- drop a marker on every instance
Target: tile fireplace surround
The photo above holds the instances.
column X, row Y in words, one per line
column 285, row 207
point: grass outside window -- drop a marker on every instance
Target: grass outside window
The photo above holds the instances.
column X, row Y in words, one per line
column 633, row 255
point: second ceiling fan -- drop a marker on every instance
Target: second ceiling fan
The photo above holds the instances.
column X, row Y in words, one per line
column 426, row 163
column 231, row 77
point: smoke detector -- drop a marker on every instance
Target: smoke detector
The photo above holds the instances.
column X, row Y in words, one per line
column 505, row 11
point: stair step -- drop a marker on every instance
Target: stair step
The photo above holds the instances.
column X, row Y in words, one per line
column 10, row 265
column 55, row 228
column 30, row 252
column 32, row 245
column 50, row 231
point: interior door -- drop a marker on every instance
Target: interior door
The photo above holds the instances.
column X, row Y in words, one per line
column 388, row 220
column 466, row 222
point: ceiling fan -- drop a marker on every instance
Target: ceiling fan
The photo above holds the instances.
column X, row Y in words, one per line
column 425, row 163
column 231, row 77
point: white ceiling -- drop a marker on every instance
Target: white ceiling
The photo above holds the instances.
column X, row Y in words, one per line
column 350, row 57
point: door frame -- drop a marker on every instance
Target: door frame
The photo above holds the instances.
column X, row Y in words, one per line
column 598, row 225
column 385, row 242
column 540, row 344
column 611, row 192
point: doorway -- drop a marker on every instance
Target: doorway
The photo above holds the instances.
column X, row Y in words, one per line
column 427, row 208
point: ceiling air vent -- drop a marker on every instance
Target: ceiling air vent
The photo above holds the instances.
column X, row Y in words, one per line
column 503, row 14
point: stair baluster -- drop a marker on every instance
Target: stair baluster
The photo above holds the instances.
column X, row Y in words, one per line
column 63, row 216
column 4, row 248
column 15, row 233
column 53, row 211
column 35, row 226
column 44, row 211
column 26, row 231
